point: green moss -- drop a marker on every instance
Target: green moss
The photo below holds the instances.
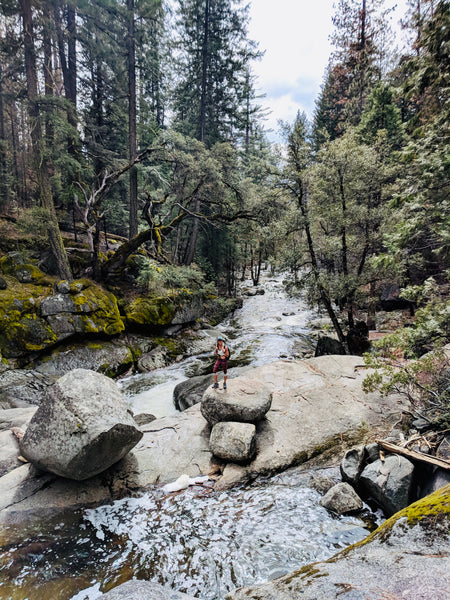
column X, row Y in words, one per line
column 94, row 346
column 10, row 265
column 24, row 330
column 150, row 312
column 428, row 511
column 125, row 364
column 173, row 345
column 97, row 308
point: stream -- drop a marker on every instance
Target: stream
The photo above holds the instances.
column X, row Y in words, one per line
column 267, row 327
column 200, row 542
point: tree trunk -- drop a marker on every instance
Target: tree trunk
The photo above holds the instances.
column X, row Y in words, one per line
column 68, row 65
column 40, row 165
column 205, row 55
column 4, row 195
column 363, row 56
column 133, row 224
column 344, row 252
column 202, row 127
column 190, row 252
column 15, row 158
column 324, row 297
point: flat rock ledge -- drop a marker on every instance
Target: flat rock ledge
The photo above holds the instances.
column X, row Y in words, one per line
column 245, row 401
column 316, row 405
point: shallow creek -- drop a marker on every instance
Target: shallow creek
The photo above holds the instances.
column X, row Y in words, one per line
column 200, row 542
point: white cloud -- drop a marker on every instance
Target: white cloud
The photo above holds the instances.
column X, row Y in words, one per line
column 295, row 37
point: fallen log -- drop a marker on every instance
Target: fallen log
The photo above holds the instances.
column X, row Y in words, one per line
column 432, row 460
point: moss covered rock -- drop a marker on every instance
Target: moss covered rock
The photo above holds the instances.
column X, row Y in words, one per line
column 33, row 317
column 162, row 312
column 15, row 265
column 150, row 312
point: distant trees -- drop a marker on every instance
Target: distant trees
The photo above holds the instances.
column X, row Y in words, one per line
column 371, row 196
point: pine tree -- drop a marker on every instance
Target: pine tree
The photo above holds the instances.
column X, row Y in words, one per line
column 214, row 82
column 40, row 160
column 213, row 68
column 361, row 32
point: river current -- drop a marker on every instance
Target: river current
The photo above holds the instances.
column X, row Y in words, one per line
column 201, row 542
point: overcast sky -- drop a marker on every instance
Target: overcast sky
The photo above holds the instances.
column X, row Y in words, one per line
column 295, row 37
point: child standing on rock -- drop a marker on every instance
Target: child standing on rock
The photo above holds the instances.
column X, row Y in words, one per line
column 222, row 352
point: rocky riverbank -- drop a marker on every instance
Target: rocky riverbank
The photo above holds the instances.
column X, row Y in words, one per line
column 41, row 316
column 318, row 410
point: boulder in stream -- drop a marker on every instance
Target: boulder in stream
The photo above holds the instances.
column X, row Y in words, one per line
column 245, row 401
column 82, row 428
column 342, row 499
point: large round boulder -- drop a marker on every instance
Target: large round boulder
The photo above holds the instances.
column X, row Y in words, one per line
column 245, row 401
column 82, row 427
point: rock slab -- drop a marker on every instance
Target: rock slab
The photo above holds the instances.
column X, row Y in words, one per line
column 245, row 401
column 232, row 441
column 82, row 428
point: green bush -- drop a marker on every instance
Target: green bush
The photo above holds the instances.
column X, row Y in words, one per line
column 413, row 360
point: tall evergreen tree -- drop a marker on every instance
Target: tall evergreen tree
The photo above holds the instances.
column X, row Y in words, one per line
column 214, row 83
column 40, row 160
column 213, row 68
column 356, row 65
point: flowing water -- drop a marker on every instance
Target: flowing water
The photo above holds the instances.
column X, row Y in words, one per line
column 201, row 542
column 266, row 328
